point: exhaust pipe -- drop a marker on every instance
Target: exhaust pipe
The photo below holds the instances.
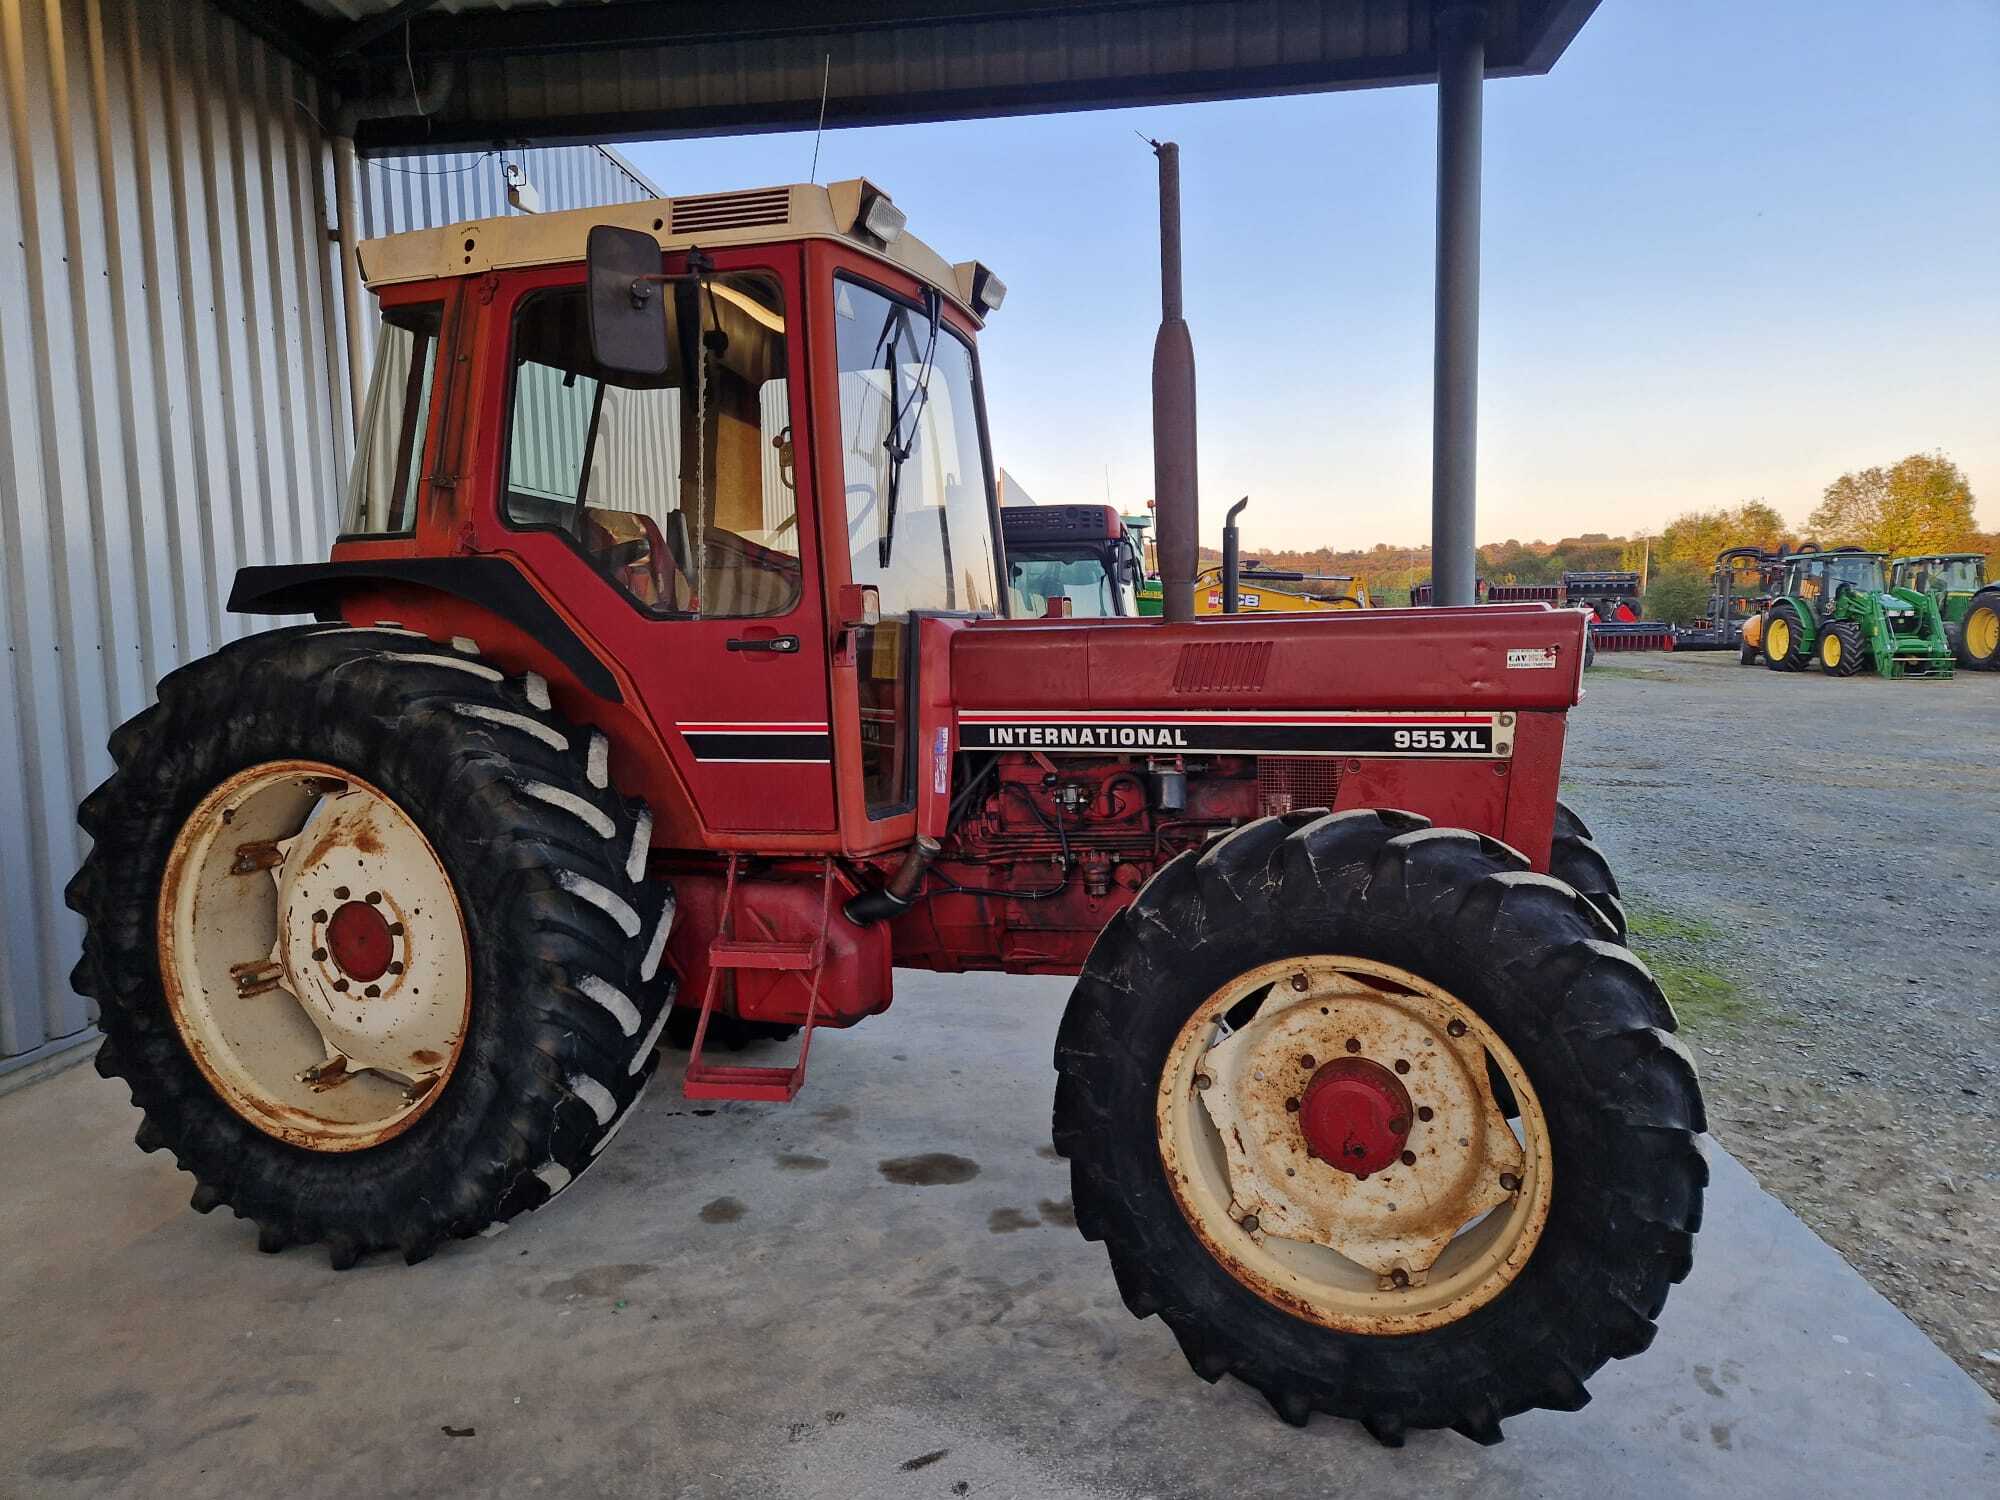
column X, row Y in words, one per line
column 1231, row 557
column 894, row 898
column 1175, row 495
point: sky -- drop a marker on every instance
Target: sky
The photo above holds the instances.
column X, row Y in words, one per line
column 1730, row 251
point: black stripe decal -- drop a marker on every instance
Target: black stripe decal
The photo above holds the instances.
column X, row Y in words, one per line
column 803, row 746
column 1470, row 741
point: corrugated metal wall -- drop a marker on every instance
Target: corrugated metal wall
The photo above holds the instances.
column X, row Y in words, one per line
column 173, row 400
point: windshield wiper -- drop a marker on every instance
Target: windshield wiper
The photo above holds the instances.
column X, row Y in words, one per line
column 899, row 444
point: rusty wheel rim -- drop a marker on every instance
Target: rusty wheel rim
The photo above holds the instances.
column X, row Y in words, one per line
column 1323, row 1230
column 313, row 955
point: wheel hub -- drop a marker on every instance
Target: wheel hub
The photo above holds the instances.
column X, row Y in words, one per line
column 1355, row 1115
column 1340, row 1150
column 315, row 958
column 359, row 940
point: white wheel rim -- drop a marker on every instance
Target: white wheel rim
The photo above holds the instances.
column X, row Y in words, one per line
column 1411, row 1246
column 314, row 955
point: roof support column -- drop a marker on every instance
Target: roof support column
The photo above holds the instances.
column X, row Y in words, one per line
column 1461, row 48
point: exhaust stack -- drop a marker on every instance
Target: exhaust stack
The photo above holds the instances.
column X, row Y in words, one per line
column 1175, row 494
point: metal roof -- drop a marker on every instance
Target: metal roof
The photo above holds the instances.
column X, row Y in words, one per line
column 598, row 70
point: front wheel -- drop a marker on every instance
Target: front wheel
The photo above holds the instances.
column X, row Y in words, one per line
column 1784, row 648
column 1842, row 651
column 1275, row 1088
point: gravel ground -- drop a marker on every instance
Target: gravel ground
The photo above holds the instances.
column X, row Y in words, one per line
column 1813, row 864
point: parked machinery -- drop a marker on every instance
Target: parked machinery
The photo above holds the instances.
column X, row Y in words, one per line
column 1739, row 591
column 663, row 661
column 1836, row 607
column 1967, row 600
column 1070, row 561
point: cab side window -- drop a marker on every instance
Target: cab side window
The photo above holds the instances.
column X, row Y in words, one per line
column 681, row 491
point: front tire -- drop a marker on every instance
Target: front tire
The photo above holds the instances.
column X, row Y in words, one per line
column 561, row 932
column 1576, row 859
column 1784, row 647
column 1578, row 1017
column 1842, row 650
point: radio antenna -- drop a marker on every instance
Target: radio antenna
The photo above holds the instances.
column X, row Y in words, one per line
column 825, row 76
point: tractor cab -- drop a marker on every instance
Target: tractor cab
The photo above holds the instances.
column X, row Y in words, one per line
column 1070, row 561
column 1823, row 578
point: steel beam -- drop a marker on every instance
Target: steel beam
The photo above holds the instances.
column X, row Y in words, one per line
column 1461, row 48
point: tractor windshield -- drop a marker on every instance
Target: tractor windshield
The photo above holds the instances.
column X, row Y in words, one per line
column 1860, row 574
column 1952, row 575
column 919, row 517
column 1077, row 581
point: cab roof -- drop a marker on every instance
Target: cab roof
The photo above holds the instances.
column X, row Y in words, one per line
column 799, row 211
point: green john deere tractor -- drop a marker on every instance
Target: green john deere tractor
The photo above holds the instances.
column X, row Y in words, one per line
column 1968, row 602
column 1836, row 607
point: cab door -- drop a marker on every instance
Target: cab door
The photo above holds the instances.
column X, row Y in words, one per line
column 910, row 515
column 675, row 519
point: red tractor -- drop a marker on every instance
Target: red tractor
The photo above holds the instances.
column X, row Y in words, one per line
column 662, row 670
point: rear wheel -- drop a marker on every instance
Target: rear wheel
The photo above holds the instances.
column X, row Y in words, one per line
column 371, row 936
column 1784, row 647
column 1273, row 1088
column 1979, row 633
column 1842, row 651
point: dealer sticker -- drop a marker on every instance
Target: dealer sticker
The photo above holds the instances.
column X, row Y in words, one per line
column 1530, row 658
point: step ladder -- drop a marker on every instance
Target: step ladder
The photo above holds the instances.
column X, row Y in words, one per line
column 728, row 953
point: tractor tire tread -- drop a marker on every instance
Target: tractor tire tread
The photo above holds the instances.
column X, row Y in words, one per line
column 560, row 921
column 1453, row 905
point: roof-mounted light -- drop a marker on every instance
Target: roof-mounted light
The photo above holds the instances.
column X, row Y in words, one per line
column 978, row 287
column 880, row 219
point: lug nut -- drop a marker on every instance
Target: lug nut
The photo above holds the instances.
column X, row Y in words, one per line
column 1250, row 1223
column 1354, row 1044
column 1308, row 1062
column 319, row 955
column 1454, row 1028
column 1291, row 1106
column 341, row 985
column 373, row 992
column 396, row 967
column 340, row 893
column 1424, row 1111
column 1409, row 1158
column 1400, row 1277
column 1202, row 1080
column 374, row 898
column 1510, row 1182
column 1402, row 1065
column 395, row 929
column 320, row 917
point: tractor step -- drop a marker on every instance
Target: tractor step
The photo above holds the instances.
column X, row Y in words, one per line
column 769, row 1085
column 706, row 1080
column 735, row 953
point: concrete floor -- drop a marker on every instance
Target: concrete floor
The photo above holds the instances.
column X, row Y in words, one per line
column 741, row 1303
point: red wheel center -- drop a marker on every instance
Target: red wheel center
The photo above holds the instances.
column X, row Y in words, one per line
column 358, row 937
column 1355, row 1115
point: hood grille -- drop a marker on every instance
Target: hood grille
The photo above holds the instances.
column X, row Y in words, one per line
column 712, row 211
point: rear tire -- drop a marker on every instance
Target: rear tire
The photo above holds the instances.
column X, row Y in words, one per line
column 1841, row 649
column 1978, row 643
column 563, row 933
column 1582, row 1016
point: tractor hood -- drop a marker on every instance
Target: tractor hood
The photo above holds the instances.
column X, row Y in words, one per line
column 1524, row 656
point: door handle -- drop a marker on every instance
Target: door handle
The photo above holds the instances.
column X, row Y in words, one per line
column 783, row 645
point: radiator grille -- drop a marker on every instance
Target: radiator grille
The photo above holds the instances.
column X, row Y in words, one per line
column 1289, row 783
column 1222, row 667
column 713, row 211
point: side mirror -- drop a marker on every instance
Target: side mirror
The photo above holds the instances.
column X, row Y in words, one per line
column 628, row 320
